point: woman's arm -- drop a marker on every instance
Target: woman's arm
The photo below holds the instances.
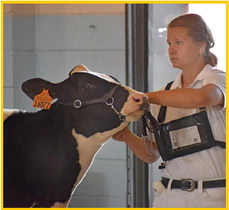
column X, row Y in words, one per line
column 209, row 95
column 137, row 145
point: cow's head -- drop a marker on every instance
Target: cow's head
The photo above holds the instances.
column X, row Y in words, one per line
column 97, row 100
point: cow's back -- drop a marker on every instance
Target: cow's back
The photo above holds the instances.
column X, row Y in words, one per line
column 41, row 162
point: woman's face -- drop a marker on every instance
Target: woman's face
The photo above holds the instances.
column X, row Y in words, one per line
column 183, row 51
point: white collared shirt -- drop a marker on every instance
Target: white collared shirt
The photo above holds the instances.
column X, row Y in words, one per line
column 206, row 164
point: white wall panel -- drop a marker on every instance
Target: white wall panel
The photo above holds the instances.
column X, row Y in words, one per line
column 99, row 201
column 23, row 33
column 108, row 151
column 80, row 32
column 105, row 176
column 9, row 98
column 8, row 66
column 55, row 65
column 23, row 66
column 104, row 179
column 7, row 32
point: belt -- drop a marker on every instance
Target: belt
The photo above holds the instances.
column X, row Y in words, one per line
column 190, row 185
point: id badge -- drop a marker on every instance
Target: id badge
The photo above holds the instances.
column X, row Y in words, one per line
column 185, row 136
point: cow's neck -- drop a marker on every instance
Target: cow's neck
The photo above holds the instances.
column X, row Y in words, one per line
column 89, row 120
column 89, row 147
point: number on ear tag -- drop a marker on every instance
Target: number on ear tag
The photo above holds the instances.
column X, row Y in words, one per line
column 43, row 100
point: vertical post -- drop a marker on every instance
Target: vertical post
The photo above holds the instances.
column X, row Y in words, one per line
column 137, row 73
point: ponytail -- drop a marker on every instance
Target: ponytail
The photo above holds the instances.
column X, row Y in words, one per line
column 210, row 58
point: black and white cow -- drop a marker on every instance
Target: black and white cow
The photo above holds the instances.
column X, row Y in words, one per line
column 47, row 153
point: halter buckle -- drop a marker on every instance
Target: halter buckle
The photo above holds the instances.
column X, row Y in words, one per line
column 77, row 104
column 121, row 117
column 110, row 101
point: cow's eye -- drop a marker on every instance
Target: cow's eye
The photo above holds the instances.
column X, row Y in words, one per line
column 89, row 86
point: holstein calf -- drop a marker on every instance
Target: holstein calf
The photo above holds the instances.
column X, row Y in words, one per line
column 47, row 153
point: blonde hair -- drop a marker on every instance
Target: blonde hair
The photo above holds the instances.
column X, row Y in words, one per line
column 199, row 31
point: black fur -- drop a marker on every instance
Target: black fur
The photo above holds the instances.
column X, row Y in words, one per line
column 41, row 161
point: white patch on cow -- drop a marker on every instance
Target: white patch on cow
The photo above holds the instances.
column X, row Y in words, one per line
column 89, row 147
column 135, row 116
column 9, row 112
column 104, row 76
column 60, row 205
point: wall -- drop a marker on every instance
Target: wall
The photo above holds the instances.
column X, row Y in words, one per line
column 47, row 41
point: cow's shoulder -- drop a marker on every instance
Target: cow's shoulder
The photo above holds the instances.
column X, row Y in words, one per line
column 8, row 112
column 42, row 148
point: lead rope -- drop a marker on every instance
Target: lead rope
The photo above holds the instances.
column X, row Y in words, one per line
column 149, row 122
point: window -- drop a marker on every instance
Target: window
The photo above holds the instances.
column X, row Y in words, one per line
column 215, row 17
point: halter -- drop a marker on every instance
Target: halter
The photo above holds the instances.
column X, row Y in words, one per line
column 108, row 99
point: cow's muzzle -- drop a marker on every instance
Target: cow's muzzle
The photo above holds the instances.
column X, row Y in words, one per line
column 145, row 104
column 141, row 100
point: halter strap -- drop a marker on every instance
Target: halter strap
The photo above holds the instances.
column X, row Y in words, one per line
column 78, row 103
column 107, row 98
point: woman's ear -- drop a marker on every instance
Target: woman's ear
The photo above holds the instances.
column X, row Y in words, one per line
column 35, row 86
column 202, row 49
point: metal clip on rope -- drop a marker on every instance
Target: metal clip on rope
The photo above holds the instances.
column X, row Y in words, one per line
column 110, row 102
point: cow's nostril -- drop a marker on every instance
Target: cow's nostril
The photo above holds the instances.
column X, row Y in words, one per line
column 137, row 100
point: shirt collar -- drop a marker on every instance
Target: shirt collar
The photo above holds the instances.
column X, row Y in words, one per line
column 178, row 81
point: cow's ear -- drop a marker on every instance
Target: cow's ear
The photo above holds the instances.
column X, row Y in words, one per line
column 35, row 86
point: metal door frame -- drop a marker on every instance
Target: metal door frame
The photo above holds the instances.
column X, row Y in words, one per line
column 137, row 77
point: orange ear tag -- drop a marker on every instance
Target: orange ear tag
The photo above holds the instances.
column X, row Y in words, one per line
column 43, row 100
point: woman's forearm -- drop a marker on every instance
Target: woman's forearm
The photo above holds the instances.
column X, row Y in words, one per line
column 139, row 148
column 209, row 95
column 137, row 145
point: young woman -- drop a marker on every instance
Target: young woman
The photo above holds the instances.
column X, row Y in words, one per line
column 194, row 177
